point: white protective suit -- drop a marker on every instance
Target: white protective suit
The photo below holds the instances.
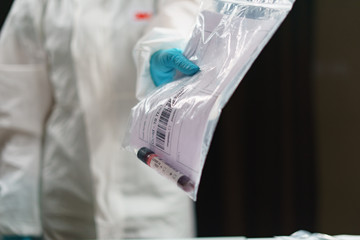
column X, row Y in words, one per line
column 67, row 84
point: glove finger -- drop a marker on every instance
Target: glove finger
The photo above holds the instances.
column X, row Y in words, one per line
column 184, row 65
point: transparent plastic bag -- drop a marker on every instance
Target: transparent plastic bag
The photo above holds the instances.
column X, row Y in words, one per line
column 171, row 129
column 305, row 235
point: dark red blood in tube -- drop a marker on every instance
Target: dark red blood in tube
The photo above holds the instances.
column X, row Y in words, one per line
column 184, row 182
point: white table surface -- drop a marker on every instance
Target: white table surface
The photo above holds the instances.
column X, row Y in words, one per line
column 340, row 237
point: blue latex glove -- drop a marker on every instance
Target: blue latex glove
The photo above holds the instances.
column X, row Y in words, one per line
column 20, row 238
column 164, row 63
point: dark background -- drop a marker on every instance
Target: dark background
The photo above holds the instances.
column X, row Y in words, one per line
column 285, row 155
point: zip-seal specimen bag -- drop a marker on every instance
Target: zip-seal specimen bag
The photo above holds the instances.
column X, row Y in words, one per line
column 171, row 129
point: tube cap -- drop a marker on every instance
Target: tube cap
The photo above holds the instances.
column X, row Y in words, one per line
column 143, row 153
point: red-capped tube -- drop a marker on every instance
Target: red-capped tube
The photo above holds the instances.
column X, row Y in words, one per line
column 153, row 161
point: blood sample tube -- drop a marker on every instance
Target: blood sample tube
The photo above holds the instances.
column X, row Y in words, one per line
column 153, row 161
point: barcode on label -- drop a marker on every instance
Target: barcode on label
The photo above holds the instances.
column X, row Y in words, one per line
column 162, row 125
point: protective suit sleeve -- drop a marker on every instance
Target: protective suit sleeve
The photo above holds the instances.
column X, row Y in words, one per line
column 24, row 102
column 170, row 28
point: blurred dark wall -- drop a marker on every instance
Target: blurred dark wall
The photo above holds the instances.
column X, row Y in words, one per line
column 4, row 9
column 337, row 107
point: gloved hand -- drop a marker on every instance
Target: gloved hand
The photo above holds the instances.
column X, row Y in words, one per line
column 164, row 63
column 19, row 238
